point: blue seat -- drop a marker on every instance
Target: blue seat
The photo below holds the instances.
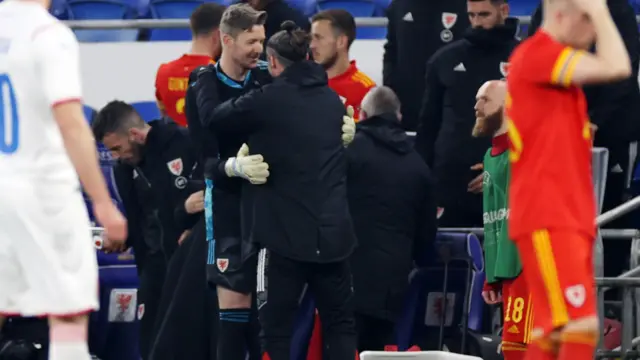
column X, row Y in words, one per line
column 358, row 8
column 172, row 9
column 101, row 10
column 307, row 7
column 148, row 110
column 89, row 113
column 523, row 7
column 303, row 327
column 460, row 257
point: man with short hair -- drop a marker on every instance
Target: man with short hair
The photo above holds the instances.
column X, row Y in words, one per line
column 394, row 227
column 172, row 78
column 232, row 260
column 416, row 29
column 504, row 279
column 333, row 32
column 454, row 75
column 154, row 164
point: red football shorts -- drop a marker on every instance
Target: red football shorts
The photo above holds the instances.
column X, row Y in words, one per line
column 558, row 268
column 517, row 313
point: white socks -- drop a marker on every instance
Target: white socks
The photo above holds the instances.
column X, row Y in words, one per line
column 69, row 351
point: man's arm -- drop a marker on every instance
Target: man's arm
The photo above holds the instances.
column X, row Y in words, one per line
column 430, row 117
column 390, row 49
column 126, row 194
column 58, row 59
column 605, row 100
column 238, row 115
column 564, row 66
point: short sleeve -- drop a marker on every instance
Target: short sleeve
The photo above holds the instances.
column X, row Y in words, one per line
column 552, row 63
column 57, row 55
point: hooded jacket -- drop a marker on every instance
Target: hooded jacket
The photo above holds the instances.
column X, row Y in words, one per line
column 391, row 201
column 454, row 75
column 296, row 124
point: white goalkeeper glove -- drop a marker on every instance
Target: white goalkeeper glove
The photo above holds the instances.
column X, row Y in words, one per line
column 249, row 167
column 348, row 127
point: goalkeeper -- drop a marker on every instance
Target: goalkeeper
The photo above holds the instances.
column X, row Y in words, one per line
column 502, row 263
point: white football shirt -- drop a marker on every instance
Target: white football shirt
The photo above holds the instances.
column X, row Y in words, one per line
column 39, row 68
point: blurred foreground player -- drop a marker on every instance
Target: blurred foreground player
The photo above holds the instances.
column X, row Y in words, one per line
column 503, row 267
column 47, row 259
column 551, row 196
column 173, row 77
column 333, row 31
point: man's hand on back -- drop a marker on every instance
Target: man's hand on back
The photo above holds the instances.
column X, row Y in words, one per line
column 249, row 167
column 348, row 126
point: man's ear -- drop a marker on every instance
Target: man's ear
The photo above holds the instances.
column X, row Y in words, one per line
column 136, row 135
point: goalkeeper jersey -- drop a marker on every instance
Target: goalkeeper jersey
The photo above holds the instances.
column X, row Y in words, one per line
column 501, row 255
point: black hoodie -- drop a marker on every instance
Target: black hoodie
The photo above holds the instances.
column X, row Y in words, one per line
column 296, row 124
column 394, row 214
column 454, row 75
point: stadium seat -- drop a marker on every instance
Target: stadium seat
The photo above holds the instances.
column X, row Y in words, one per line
column 308, row 7
column 102, row 10
column 458, row 258
column 89, row 113
column 148, row 110
column 358, row 8
column 172, row 9
column 523, row 7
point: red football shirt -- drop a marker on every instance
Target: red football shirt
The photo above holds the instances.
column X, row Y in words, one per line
column 550, row 141
column 172, row 81
column 352, row 86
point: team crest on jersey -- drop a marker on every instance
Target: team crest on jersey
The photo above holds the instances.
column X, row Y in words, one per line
column 449, row 19
column 223, row 264
column 486, row 178
column 175, row 166
column 504, row 68
column 576, row 295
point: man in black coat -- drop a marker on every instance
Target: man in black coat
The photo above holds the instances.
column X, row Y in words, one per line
column 300, row 215
column 155, row 161
column 444, row 139
column 416, row 30
column 394, row 215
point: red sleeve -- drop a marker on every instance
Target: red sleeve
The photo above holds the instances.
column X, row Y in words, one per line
column 553, row 63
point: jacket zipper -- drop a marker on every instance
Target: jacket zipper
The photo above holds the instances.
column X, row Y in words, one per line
column 154, row 213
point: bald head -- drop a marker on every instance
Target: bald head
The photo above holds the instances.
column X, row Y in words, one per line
column 379, row 100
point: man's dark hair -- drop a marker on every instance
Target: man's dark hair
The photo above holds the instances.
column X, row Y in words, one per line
column 342, row 22
column 115, row 117
column 241, row 17
column 206, row 18
column 289, row 45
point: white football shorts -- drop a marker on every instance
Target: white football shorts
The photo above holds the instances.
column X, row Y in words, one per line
column 48, row 261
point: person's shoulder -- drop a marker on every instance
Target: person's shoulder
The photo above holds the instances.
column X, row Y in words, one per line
column 363, row 80
column 199, row 71
column 452, row 49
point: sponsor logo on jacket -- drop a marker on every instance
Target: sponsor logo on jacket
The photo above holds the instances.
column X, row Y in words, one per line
column 490, row 217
